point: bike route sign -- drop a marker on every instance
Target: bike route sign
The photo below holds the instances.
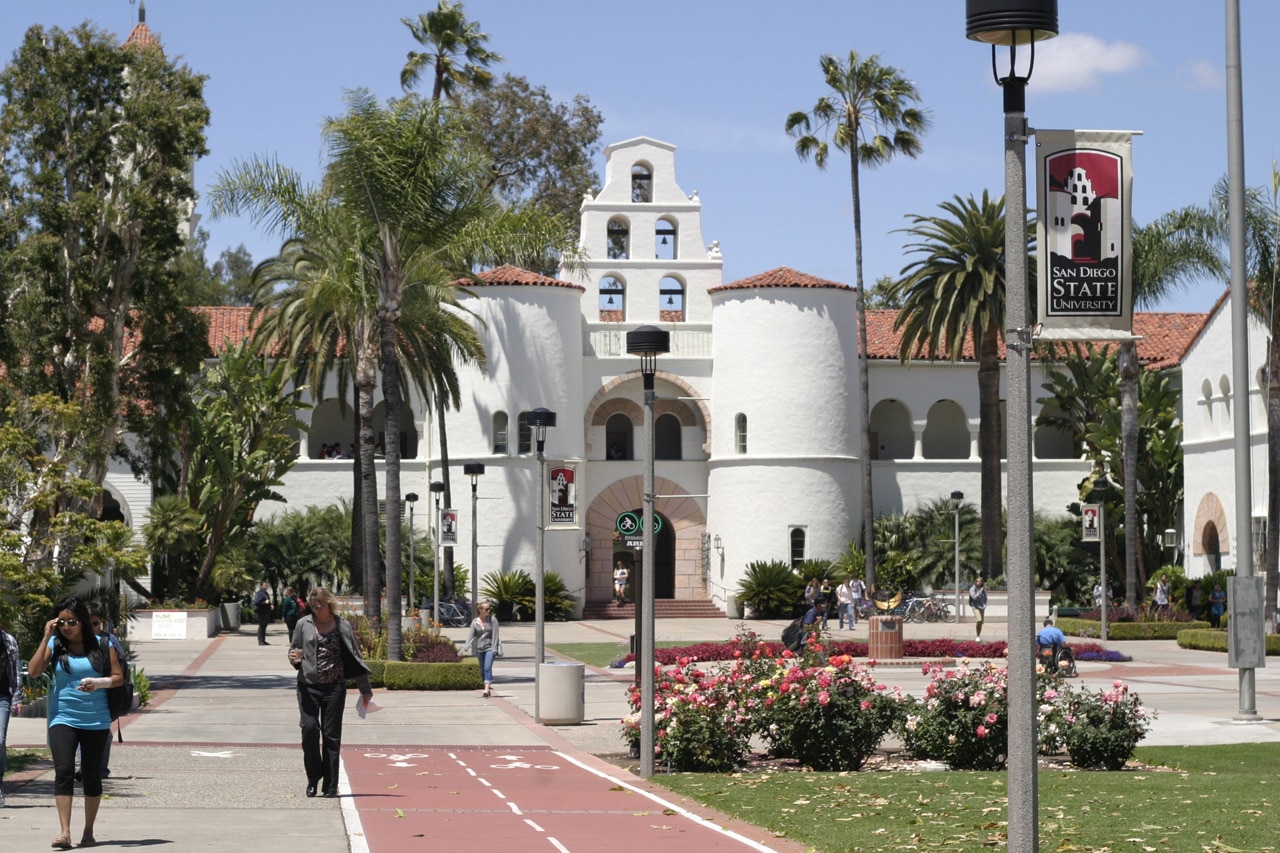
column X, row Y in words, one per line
column 631, row 525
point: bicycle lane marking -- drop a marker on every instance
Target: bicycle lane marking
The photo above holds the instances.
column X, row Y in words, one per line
column 514, row 795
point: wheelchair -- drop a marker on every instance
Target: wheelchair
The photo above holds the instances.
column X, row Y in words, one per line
column 1057, row 660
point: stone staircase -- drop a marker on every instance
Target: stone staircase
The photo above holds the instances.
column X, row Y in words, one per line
column 664, row 608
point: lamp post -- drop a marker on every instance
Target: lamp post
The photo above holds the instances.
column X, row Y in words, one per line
column 1102, row 485
column 648, row 342
column 1012, row 23
column 539, row 419
column 474, row 470
column 437, row 489
column 956, row 498
column 412, row 498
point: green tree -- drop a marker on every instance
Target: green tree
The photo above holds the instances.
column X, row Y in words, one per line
column 867, row 114
column 172, row 532
column 953, row 295
column 404, row 171
column 455, row 51
column 1167, row 255
column 97, row 143
column 884, row 295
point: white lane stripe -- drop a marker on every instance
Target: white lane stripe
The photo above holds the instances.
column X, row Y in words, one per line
column 672, row 806
column 514, row 807
column 558, row 845
column 471, row 772
column 497, row 793
column 484, row 781
column 350, row 815
column 534, row 825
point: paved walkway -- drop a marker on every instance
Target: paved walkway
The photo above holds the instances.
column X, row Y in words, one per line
column 214, row 762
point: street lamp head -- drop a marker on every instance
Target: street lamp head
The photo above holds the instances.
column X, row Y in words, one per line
column 957, row 496
column 411, row 498
column 1010, row 22
column 1170, row 538
column 539, row 419
column 473, row 470
column 648, row 342
column 436, row 487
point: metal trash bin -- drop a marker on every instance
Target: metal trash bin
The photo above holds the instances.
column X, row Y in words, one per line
column 563, row 693
column 884, row 638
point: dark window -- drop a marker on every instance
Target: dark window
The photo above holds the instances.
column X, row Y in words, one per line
column 666, row 438
column 524, row 434
column 500, row 432
column 797, row 546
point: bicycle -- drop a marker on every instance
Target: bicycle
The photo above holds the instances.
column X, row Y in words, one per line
column 451, row 615
column 939, row 610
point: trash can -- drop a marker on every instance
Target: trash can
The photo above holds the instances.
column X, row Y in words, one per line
column 884, row 638
column 563, row 693
column 230, row 615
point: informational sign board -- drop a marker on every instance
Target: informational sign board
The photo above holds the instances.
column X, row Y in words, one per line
column 448, row 527
column 1246, row 645
column 168, row 624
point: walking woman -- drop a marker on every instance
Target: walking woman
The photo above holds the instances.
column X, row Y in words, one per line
column 10, row 694
column 482, row 640
column 78, row 712
column 325, row 654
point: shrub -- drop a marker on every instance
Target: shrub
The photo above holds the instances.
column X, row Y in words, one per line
column 1145, row 630
column 1210, row 640
column 399, row 675
column 1103, row 728
column 963, row 719
column 514, row 596
column 424, row 643
column 770, row 590
column 828, row 718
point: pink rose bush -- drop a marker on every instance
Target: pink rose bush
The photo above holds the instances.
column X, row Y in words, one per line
column 1103, row 728
column 963, row 719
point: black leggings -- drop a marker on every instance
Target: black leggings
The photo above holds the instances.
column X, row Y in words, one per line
column 63, row 741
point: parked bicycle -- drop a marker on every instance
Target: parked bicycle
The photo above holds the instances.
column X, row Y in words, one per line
column 452, row 614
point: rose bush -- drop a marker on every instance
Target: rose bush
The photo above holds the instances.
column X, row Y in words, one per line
column 1103, row 728
column 963, row 719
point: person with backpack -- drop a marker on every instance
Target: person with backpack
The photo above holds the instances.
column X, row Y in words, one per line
column 102, row 628
column 289, row 610
column 79, row 713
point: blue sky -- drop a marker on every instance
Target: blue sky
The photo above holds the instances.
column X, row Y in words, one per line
column 717, row 79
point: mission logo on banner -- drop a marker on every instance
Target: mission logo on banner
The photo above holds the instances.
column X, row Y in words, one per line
column 1083, row 234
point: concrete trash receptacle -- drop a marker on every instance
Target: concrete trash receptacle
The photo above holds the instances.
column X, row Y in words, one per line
column 563, row 698
column 884, row 638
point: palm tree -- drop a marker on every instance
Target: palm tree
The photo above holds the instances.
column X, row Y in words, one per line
column 952, row 295
column 866, row 114
column 406, row 171
column 1167, row 254
column 448, row 36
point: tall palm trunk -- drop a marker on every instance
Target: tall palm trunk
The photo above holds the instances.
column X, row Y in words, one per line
column 989, row 432
column 1127, row 362
column 864, row 384
column 371, row 564
column 447, row 552
column 391, row 289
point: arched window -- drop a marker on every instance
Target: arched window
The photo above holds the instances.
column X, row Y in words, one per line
column 641, row 183
column 613, row 300
column 664, row 240
column 798, row 546
column 500, row 432
column 619, row 247
column 671, row 300
column 524, row 434
column 740, row 433
column 666, row 438
column 617, row 437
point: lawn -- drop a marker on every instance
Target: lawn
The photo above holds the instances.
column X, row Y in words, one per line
column 20, row 759
column 602, row 654
column 1200, row 798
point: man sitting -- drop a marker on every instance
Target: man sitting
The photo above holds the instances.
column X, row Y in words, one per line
column 1050, row 636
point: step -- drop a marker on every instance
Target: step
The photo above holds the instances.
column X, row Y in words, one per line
column 664, row 608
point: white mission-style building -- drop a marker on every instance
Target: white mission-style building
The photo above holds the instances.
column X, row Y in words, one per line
column 756, row 427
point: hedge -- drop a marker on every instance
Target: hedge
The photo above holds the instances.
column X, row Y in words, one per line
column 401, row 675
column 1216, row 641
column 1128, row 630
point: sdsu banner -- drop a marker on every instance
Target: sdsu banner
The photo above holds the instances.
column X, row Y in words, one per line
column 1084, row 246
column 562, row 486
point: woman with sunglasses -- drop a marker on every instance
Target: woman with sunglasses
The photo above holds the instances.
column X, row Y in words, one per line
column 325, row 654
column 78, row 714
column 482, row 640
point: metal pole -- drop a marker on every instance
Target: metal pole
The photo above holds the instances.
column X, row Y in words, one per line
column 413, row 568
column 475, row 566
column 540, row 591
column 1022, row 779
column 1240, row 337
column 1102, row 563
column 645, row 660
column 435, row 567
column 957, row 543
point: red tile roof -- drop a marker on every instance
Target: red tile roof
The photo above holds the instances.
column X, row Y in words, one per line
column 780, row 277
column 510, row 275
column 228, row 325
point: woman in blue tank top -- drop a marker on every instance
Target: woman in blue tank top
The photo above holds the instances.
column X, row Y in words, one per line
column 78, row 714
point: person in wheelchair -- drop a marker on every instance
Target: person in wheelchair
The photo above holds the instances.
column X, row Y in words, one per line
column 1052, row 651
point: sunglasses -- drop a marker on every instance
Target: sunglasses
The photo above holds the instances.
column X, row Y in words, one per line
column 70, row 623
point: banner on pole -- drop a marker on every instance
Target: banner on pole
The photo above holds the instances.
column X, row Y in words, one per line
column 1089, row 514
column 1084, row 240
column 562, row 486
column 448, row 527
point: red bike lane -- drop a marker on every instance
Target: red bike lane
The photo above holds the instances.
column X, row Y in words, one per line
column 527, row 798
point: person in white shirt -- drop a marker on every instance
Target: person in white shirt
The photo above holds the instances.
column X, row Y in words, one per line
column 844, row 597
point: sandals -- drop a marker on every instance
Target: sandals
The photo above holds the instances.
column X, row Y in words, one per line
column 88, row 841
column 62, row 842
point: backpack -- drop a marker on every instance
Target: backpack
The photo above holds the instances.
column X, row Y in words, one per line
column 119, row 699
column 792, row 635
column 302, row 607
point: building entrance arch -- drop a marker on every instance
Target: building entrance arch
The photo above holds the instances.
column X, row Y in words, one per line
column 664, row 559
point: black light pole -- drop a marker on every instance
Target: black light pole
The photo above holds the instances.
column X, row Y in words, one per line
column 648, row 342
column 539, row 420
column 411, row 499
column 956, row 498
column 474, row 470
column 1013, row 23
column 437, row 489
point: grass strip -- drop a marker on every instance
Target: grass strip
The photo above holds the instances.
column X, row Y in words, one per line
column 603, row 654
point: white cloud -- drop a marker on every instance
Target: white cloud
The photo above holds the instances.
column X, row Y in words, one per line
column 1076, row 61
column 1202, row 75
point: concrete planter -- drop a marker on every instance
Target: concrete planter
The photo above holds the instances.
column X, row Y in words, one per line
column 175, row 624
